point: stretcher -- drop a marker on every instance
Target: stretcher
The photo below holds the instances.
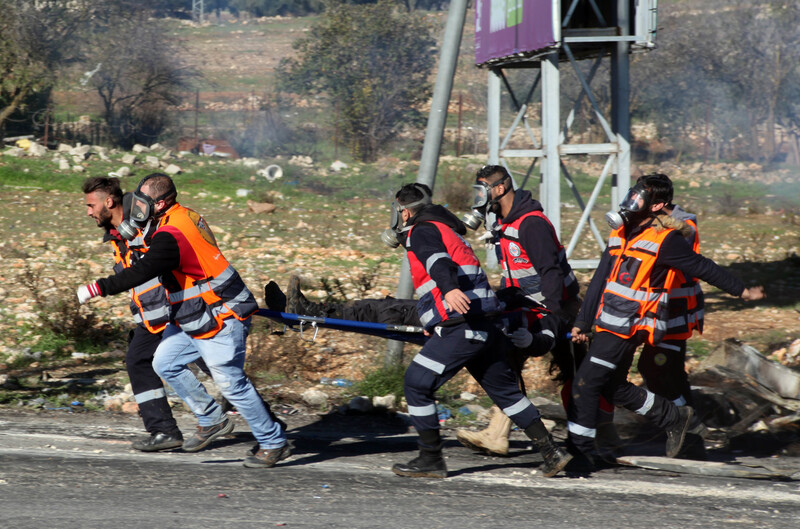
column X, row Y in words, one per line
column 312, row 324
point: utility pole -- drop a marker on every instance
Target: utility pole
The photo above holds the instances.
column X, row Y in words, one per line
column 448, row 61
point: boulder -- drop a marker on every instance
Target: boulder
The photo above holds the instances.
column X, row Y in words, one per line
column 172, row 169
column 36, row 149
column 315, row 397
column 260, row 207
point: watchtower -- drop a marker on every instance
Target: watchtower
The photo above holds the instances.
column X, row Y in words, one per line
column 542, row 35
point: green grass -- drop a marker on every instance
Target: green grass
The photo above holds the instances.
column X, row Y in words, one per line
column 380, row 382
column 699, row 348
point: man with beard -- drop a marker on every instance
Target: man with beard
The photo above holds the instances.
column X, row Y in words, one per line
column 104, row 203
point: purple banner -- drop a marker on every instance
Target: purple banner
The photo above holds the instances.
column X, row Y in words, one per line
column 506, row 27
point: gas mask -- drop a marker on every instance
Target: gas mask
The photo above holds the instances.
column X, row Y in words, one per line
column 139, row 210
column 390, row 236
column 481, row 202
column 634, row 208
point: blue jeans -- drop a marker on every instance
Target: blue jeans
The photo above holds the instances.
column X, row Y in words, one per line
column 224, row 354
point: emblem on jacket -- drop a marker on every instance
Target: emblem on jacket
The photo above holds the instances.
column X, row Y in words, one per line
column 514, row 250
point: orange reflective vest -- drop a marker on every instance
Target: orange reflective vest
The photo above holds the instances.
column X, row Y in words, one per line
column 472, row 280
column 205, row 289
column 149, row 304
column 630, row 303
column 518, row 270
column 686, row 305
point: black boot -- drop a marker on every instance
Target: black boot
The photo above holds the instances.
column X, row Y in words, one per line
column 274, row 298
column 430, row 462
column 676, row 432
column 555, row 458
column 296, row 303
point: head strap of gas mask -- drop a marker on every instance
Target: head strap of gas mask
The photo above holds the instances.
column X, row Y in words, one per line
column 396, row 227
column 138, row 194
column 139, row 209
column 482, row 201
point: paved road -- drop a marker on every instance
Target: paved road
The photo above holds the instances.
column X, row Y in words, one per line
column 75, row 470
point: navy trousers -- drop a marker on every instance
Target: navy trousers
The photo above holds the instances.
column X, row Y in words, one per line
column 481, row 348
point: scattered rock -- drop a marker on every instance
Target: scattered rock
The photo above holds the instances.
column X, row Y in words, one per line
column 387, row 401
column 140, row 148
column 113, row 404
column 131, row 408
column 302, row 161
column 81, row 151
column 15, row 152
column 129, row 159
column 152, row 161
column 34, row 149
column 338, row 166
column 78, row 169
column 172, row 169
column 260, row 207
column 315, row 397
column 122, row 172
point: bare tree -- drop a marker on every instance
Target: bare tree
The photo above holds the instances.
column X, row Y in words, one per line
column 37, row 41
column 138, row 74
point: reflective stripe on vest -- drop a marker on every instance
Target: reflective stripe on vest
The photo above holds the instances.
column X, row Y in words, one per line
column 213, row 291
column 431, row 307
column 148, row 304
column 630, row 303
column 517, row 268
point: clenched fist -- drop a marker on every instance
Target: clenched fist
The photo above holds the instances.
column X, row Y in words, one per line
column 87, row 292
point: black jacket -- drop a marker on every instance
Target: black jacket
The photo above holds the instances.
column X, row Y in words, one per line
column 535, row 238
column 428, row 241
column 163, row 257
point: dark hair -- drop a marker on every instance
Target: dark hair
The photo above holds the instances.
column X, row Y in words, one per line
column 105, row 185
column 161, row 187
column 412, row 193
column 659, row 185
column 492, row 173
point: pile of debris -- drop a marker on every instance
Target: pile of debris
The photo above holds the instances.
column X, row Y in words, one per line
column 744, row 395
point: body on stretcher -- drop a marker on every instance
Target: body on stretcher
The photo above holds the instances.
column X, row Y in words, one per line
column 303, row 324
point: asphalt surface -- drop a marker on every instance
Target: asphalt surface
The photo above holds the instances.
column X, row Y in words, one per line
column 76, row 470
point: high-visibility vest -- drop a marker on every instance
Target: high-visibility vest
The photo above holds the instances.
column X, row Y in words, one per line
column 518, row 271
column 630, row 303
column 149, row 304
column 472, row 280
column 205, row 290
column 686, row 304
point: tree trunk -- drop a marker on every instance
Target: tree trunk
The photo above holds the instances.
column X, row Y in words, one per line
column 793, row 141
column 12, row 106
column 769, row 134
